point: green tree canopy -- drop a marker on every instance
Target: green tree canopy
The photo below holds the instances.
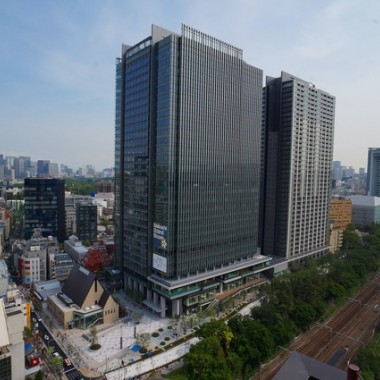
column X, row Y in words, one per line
column 369, row 360
column 206, row 361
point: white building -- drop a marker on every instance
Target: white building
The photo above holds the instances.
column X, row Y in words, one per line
column 365, row 209
column 75, row 248
column 11, row 344
column 3, row 278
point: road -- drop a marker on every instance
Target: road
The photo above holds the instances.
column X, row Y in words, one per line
column 68, row 368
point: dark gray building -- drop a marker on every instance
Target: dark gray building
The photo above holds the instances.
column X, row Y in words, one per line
column 45, row 207
column 86, row 222
column 187, row 167
column 298, row 147
column 373, row 172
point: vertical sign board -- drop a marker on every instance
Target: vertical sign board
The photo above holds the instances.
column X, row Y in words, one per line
column 160, row 236
column 160, row 263
column 27, row 310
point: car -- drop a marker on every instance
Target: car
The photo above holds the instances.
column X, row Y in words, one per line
column 56, row 354
column 67, row 362
column 46, row 337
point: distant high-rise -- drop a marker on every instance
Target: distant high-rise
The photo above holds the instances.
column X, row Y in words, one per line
column 299, row 132
column 86, row 221
column 43, row 168
column 187, row 161
column 373, row 172
column 45, row 207
column 337, row 173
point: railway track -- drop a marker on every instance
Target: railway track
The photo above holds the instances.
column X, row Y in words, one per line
column 338, row 339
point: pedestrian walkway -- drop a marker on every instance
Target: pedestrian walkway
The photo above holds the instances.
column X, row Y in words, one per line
column 155, row 362
column 115, row 358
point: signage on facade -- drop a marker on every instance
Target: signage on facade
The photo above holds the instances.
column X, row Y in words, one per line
column 160, row 263
column 159, row 236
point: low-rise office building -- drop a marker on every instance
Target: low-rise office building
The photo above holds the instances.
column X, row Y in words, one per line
column 75, row 248
column 60, row 266
column 365, row 209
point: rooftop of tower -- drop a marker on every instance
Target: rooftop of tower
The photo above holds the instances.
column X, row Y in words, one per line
column 207, row 40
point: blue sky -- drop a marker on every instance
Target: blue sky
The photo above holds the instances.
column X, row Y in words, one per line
column 57, row 65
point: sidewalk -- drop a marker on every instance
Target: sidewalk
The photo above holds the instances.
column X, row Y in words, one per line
column 158, row 361
column 116, row 341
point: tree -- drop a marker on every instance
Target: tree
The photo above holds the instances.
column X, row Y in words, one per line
column 235, row 364
column 334, row 291
column 27, row 333
column 206, row 361
column 143, row 340
column 138, row 296
column 212, row 328
column 39, row 375
column 303, row 314
column 280, row 293
column 137, row 316
column 351, row 239
column 184, row 323
column 57, row 363
column 369, row 360
column 174, row 323
column 309, row 285
column 50, row 350
column 252, row 342
column 219, row 329
column 94, row 335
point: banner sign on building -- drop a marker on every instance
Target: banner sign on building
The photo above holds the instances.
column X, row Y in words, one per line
column 159, row 236
column 160, row 263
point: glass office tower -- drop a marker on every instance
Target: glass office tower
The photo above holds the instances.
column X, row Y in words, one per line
column 373, row 172
column 45, row 207
column 187, row 161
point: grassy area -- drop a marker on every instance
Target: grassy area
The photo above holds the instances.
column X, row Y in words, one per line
column 177, row 374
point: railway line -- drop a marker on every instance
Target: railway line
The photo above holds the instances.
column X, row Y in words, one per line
column 337, row 340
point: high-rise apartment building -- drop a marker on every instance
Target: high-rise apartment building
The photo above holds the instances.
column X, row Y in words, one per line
column 298, row 148
column 373, row 172
column 45, row 207
column 187, row 163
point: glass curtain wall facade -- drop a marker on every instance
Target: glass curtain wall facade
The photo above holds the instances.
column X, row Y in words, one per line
column 298, row 146
column 188, row 130
column 373, row 172
column 45, row 207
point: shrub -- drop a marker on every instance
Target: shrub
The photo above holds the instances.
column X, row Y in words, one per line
column 166, row 338
column 95, row 346
column 162, row 343
column 170, row 327
column 155, row 334
column 160, row 329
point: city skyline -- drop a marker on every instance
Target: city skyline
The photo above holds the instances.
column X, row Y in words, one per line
column 57, row 89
